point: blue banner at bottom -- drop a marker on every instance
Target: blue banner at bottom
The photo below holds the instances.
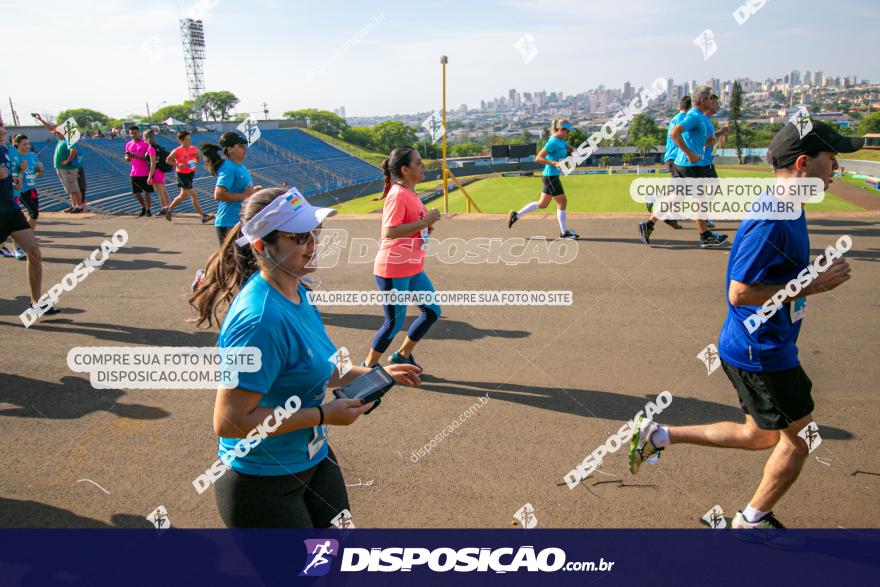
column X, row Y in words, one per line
column 40, row 557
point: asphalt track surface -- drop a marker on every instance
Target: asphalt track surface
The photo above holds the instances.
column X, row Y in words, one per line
column 559, row 381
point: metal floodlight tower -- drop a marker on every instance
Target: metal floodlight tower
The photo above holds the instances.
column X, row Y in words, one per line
column 192, row 33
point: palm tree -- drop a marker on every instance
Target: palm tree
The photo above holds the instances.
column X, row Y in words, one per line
column 645, row 145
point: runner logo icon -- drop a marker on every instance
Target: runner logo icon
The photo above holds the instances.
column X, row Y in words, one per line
column 319, row 556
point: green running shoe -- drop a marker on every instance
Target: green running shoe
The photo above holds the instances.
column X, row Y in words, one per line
column 641, row 449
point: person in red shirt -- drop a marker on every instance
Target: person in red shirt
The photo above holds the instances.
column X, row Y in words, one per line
column 185, row 158
column 400, row 262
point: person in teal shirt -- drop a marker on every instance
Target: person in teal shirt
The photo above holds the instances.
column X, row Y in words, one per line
column 555, row 150
column 234, row 182
column 276, row 468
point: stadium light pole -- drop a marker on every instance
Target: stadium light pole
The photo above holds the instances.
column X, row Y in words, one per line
column 443, row 61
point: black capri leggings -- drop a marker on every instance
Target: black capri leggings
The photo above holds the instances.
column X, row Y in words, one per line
column 309, row 499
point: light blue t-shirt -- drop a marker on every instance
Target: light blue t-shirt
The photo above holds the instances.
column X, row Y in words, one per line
column 557, row 150
column 709, row 151
column 235, row 178
column 295, row 361
column 77, row 161
column 696, row 125
column 29, row 179
column 671, row 147
column 15, row 168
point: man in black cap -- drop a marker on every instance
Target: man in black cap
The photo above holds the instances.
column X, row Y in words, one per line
column 761, row 359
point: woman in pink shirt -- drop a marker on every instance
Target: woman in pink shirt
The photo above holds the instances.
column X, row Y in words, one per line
column 400, row 262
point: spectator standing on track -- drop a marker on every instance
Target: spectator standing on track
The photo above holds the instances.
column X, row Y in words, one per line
column 65, row 166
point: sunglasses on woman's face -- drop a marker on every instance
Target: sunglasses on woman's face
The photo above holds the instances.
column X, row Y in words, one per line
column 301, row 238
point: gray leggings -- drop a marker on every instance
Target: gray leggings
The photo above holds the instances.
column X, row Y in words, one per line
column 309, row 499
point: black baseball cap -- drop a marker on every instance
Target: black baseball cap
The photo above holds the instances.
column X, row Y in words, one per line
column 788, row 144
column 230, row 139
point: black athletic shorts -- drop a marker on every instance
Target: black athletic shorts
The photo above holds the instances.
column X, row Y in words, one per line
column 551, row 184
column 774, row 400
column 690, row 171
column 185, row 180
column 711, row 171
column 31, row 203
column 670, row 165
column 11, row 222
column 310, row 499
column 139, row 185
column 81, row 182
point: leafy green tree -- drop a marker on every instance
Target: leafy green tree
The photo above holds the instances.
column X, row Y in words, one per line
column 576, row 138
column 627, row 158
column 84, row 117
column 645, row 145
column 182, row 112
column 604, row 160
column 736, row 99
column 216, row 105
column 466, row 150
column 868, row 124
column 322, row 121
column 391, row 134
column 361, row 136
column 643, row 125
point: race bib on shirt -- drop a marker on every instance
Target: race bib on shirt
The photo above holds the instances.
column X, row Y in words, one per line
column 191, row 163
column 319, row 439
column 798, row 309
column 424, row 236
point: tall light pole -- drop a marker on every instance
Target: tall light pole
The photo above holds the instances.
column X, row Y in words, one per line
column 443, row 61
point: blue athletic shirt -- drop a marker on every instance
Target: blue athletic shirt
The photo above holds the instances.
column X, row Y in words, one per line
column 694, row 135
column 772, row 252
column 29, row 181
column 7, row 200
column 235, row 178
column 77, row 161
column 557, row 150
column 671, row 147
column 295, row 361
column 14, row 167
column 708, row 151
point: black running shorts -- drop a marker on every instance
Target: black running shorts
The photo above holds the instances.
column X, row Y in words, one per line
column 139, row 185
column 11, row 222
column 691, row 171
column 185, row 180
column 31, row 203
column 774, row 400
column 551, row 184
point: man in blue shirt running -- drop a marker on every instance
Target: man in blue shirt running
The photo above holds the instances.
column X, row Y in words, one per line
column 691, row 135
column 761, row 359
column 645, row 228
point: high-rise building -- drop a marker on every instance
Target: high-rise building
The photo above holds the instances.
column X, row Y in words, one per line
column 795, row 78
column 808, row 78
column 628, row 91
column 818, row 79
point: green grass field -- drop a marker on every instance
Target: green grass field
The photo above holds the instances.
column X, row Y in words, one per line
column 859, row 183
column 864, row 155
column 586, row 193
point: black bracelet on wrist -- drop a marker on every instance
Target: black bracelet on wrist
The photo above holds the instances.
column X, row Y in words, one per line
column 321, row 411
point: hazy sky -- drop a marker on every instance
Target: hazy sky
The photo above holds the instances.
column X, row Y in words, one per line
column 383, row 58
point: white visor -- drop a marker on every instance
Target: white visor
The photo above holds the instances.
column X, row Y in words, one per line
column 290, row 212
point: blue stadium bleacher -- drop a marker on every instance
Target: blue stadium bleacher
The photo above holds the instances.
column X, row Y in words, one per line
column 288, row 155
